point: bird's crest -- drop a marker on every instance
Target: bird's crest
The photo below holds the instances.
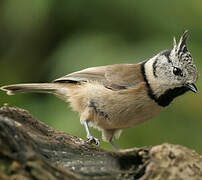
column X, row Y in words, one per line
column 181, row 47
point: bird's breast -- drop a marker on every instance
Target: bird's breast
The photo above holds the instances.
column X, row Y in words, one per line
column 124, row 108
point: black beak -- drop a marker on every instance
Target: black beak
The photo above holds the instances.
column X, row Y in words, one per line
column 191, row 87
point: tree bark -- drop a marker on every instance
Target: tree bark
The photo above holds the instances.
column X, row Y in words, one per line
column 31, row 150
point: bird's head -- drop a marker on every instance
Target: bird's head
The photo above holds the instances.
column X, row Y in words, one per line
column 172, row 70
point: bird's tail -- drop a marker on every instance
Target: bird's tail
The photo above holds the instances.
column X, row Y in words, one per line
column 54, row 88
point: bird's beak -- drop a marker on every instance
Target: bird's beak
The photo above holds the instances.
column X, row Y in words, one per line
column 191, row 87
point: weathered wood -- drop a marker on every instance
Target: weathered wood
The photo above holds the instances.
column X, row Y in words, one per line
column 30, row 150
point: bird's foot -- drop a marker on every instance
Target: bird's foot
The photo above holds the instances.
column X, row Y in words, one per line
column 114, row 145
column 93, row 140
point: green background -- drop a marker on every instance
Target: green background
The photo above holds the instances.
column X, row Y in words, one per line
column 41, row 40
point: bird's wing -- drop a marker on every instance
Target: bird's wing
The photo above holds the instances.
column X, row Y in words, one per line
column 116, row 77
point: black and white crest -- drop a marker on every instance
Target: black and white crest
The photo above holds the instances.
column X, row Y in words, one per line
column 182, row 46
column 180, row 50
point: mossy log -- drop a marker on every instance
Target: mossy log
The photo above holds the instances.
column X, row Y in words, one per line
column 31, row 150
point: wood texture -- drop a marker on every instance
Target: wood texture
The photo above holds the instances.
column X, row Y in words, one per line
column 30, row 150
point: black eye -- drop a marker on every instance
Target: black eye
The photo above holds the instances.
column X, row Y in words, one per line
column 177, row 71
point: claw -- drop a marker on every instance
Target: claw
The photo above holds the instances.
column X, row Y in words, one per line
column 94, row 140
column 90, row 138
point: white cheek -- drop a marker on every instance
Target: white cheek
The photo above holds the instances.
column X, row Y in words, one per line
column 165, row 78
column 156, row 83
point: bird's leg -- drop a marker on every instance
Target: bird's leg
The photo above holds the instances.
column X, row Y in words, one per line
column 90, row 138
column 113, row 144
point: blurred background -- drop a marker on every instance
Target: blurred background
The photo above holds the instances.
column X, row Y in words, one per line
column 43, row 40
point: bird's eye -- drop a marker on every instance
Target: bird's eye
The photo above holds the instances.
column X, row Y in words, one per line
column 177, row 71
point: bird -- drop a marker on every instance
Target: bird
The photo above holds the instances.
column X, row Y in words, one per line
column 112, row 98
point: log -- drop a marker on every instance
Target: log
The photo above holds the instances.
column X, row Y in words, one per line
column 31, row 150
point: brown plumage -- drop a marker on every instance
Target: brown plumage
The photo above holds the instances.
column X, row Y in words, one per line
column 89, row 92
column 114, row 97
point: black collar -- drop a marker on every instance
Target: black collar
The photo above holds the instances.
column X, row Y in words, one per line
column 167, row 97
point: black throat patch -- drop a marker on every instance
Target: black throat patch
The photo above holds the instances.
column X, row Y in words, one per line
column 168, row 96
